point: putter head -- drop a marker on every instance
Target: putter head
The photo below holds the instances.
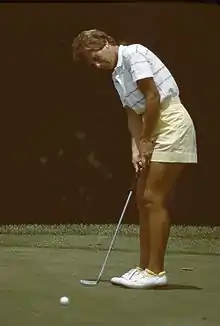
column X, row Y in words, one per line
column 89, row 282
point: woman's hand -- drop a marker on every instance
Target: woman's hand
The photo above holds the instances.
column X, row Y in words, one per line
column 136, row 160
column 146, row 148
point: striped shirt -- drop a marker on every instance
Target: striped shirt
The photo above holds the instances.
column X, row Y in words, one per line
column 136, row 62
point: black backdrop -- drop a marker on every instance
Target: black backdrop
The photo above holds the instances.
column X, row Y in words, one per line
column 45, row 99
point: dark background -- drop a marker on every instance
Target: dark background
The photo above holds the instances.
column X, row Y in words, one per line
column 45, row 99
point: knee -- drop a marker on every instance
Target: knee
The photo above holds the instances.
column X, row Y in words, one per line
column 150, row 200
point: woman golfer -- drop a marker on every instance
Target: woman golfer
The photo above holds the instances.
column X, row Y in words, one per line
column 163, row 141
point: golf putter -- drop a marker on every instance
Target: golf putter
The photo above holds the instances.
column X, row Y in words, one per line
column 95, row 282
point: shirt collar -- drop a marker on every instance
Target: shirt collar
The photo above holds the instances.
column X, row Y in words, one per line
column 119, row 63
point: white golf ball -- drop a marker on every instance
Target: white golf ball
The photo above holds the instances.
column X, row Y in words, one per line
column 64, row 301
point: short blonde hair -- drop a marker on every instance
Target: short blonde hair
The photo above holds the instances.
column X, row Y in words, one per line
column 90, row 40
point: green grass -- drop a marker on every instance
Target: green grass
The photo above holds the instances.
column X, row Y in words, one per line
column 107, row 229
column 196, row 240
column 39, row 264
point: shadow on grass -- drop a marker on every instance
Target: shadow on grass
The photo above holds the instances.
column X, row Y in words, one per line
column 164, row 288
column 172, row 287
column 178, row 287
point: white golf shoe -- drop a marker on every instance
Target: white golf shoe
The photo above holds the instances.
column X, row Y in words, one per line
column 141, row 279
column 119, row 280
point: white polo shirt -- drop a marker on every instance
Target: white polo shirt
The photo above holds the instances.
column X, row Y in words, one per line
column 137, row 62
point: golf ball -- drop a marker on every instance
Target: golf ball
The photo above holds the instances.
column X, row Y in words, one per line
column 64, row 301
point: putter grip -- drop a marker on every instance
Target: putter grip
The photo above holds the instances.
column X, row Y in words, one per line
column 137, row 174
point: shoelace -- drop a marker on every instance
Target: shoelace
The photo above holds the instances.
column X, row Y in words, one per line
column 131, row 273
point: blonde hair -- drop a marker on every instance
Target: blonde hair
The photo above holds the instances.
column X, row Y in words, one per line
column 90, row 40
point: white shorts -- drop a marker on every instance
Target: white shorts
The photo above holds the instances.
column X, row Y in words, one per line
column 175, row 137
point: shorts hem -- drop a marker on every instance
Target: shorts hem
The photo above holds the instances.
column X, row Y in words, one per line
column 174, row 157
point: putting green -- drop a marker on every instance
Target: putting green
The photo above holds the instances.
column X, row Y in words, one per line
column 33, row 279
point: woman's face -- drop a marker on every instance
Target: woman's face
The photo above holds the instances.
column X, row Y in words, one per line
column 106, row 58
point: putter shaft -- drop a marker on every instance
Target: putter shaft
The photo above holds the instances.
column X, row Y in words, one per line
column 87, row 282
column 114, row 237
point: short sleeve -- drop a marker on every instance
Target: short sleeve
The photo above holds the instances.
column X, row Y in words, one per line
column 122, row 100
column 140, row 66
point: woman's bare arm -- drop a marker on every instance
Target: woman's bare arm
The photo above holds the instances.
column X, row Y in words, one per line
column 135, row 126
